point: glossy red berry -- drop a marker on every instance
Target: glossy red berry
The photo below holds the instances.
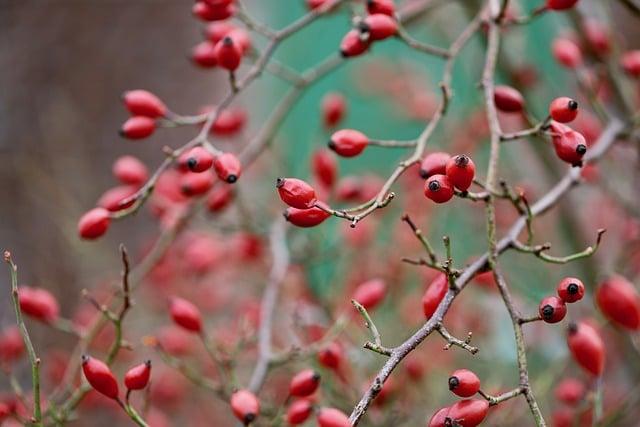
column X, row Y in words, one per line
column 130, row 170
column 348, row 142
column 438, row 188
column 207, row 12
column 552, row 309
column 241, row 38
column 379, row 26
column 306, row 217
column 508, row 99
column 461, row 170
column 563, row 109
column 94, row 223
column 219, row 198
column 138, row 127
column 38, row 303
column 144, row 103
column 245, row 406
column 112, row 199
column 468, row 412
column 385, row 7
column 333, row 108
column 352, row 44
column 570, row 289
column 137, row 377
column 228, row 54
column 464, row 383
column 185, row 314
column 227, row 167
column 325, row 167
column 196, row 184
column 619, row 301
column 631, row 63
column 370, row 293
column 439, row 418
column 203, row 55
column 331, row 356
column 567, row 52
column 304, row 383
column 100, row 376
column 434, row 164
column 561, row 4
column 198, row 159
column 331, row 417
column 570, row 146
column 434, row 294
column 570, row 391
column 296, row 193
column 11, row 344
column 299, row 411
column 587, row 347
column 216, row 31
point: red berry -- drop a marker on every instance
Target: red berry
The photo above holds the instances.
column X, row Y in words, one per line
column 370, row 293
column 219, row 198
column 325, row 167
column 138, row 127
column 228, row 53
column 112, row 199
column 229, row 122
column 570, row 146
column 304, row 384
column 137, row 377
column 561, row 4
column 245, row 406
column 299, row 411
column 100, row 376
column 570, row 391
column 203, row 55
column 144, row 103
column 94, row 223
column 468, row 412
column 434, row 164
column 464, row 383
column 196, row 184
column 434, row 294
column 570, row 289
column 353, row 45
column 314, row 4
column 331, row 356
column 438, row 188
column 385, row 7
column 130, row 170
column 619, row 302
column 296, row 193
column 563, row 109
column 552, row 309
column 241, row 38
column 439, row 418
column 227, row 167
column 205, row 11
column 567, row 52
column 563, row 417
column 379, row 26
column 11, row 344
column 631, row 63
column 348, row 142
column 216, row 31
column 598, row 36
column 333, row 108
column 38, row 303
column 460, row 170
column 306, row 217
column 587, row 347
column 508, row 99
column 198, row 159
column 331, row 417
column 185, row 314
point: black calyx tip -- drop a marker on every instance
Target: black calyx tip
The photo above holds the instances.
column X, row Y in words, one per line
column 424, row 174
column 453, row 383
column 232, row 178
column 227, row 41
column 286, row 214
column 581, row 149
column 344, row 53
column 434, row 186
column 122, row 133
column 192, row 162
column 371, row 2
column 573, row 105
column 547, row 311
column 280, row 182
column 248, row 419
column 462, row 160
column 186, row 190
column 148, row 363
column 85, row 358
column 573, row 288
column 331, row 144
column 573, row 328
column 448, row 422
column 315, row 377
column 363, row 27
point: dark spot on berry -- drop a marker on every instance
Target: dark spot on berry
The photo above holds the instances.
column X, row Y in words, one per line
column 248, row 419
column 547, row 311
column 572, row 288
column 434, row 186
column 573, row 105
column 424, row 174
column 581, row 149
column 280, row 182
column 192, row 162
column 573, row 328
column 453, row 383
column 232, row 178
column 462, row 160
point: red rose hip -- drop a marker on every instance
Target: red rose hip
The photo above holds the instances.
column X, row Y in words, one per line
column 570, row 289
column 438, row 188
column 348, row 142
column 185, row 314
column 137, row 377
column 94, row 223
column 460, row 170
column 296, row 193
column 464, row 383
column 245, row 406
column 563, row 109
column 100, row 376
column 552, row 309
column 304, row 383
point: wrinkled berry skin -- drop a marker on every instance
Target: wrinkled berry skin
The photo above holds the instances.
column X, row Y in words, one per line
column 552, row 309
column 296, row 193
column 587, row 347
column 563, row 109
column 571, row 289
column 619, row 301
column 464, row 383
column 438, row 188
